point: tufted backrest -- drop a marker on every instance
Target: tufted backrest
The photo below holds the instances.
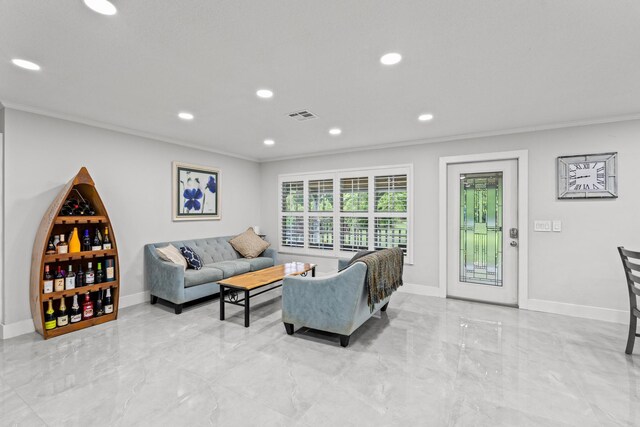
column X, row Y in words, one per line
column 210, row 249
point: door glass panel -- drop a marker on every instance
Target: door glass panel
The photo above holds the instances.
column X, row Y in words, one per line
column 481, row 228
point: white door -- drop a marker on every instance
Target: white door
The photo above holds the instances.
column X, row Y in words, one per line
column 482, row 231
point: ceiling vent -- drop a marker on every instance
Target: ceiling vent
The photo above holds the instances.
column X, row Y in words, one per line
column 302, row 115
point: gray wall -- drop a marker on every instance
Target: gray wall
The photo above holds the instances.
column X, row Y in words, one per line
column 580, row 265
column 133, row 177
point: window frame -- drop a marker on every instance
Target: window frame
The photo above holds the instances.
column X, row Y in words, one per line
column 336, row 214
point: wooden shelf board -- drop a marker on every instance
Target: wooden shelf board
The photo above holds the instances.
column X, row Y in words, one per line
column 98, row 219
column 79, row 255
column 80, row 325
column 80, row 291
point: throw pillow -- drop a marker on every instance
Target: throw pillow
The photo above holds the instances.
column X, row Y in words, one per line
column 249, row 244
column 356, row 257
column 171, row 254
column 193, row 259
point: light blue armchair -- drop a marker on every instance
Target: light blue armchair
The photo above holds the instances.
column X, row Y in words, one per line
column 336, row 303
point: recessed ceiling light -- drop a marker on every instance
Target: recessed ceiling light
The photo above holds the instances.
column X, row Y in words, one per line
column 185, row 116
column 269, row 142
column 391, row 58
column 425, row 117
column 335, row 131
column 264, row 93
column 103, row 7
column 27, row 65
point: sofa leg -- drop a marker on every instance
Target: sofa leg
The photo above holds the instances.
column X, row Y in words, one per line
column 344, row 340
column 384, row 307
column 289, row 328
column 154, row 299
column 178, row 308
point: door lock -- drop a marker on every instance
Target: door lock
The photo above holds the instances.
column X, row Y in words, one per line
column 513, row 233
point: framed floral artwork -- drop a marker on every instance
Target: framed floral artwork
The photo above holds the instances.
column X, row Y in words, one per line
column 196, row 192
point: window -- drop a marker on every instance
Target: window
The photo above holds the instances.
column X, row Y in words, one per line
column 292, row 207
column 341, row 212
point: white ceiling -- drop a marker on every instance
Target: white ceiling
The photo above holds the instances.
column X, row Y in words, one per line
column 478, row 66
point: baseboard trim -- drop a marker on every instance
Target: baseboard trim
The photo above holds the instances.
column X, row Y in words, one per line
column 413, row 288
column 134, row 299
column 17, row 328
column 576, row 310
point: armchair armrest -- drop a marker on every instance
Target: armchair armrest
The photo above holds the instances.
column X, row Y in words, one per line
column 327, row 303
column 163, row 279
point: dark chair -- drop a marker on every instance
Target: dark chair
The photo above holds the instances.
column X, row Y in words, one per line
column 632, row 271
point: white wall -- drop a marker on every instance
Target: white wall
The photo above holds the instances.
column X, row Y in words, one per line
column 579, row 266
column 133, row 177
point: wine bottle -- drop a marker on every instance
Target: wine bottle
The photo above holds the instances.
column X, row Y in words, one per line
column 97, row 243
column 58, row 282
column 80, row 277
column 89, row 275
column 51, row 248
column 74, row 241
column 49, row 317
column 99, row 310
column 99, row 277
column 56, row 240
column 76, row 314
column 62, row 247
column 108, row 303
column 110, row 273
column 48, row 280
column 106, row 242
column 86, row 241
column 70, row 280
column 63, row 316
column 87, row 307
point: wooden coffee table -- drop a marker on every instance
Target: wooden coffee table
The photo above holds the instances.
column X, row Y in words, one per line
column 248, row 282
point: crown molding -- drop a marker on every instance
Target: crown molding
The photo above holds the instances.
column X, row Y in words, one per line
column 116, row 128
column 461, row 137
column 408, row 143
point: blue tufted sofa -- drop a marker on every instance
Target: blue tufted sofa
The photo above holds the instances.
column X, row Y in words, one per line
column 172, row 283
column 335, row 303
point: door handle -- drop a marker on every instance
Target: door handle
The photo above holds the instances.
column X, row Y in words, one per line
column 513, row 244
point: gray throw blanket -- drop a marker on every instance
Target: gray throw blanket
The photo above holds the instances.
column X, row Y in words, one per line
column 384, row 273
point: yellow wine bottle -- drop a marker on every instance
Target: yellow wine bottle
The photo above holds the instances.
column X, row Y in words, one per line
column 49, row 317
column 74, row 241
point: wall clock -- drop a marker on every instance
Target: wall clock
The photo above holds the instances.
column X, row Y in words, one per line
column 588, row 176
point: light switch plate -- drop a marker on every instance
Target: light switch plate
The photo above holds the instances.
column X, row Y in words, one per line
column 542, row 226
column 557, row 225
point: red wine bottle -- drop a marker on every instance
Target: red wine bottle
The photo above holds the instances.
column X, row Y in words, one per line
column 87, row 307
column 58, row 283
column 48, row 280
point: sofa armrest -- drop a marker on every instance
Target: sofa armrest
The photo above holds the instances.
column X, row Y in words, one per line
column 271, row 253
column 326, row 303
column 163, row 279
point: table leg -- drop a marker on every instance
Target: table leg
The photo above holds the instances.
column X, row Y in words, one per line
column 221, row 302
column 246, row 309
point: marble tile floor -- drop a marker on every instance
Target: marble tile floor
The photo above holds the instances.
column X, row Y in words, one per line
column 426, row 361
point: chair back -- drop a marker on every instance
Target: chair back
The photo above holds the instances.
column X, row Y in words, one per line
column 632, row 272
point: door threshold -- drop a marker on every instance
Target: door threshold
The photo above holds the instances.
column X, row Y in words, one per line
column 484, row 302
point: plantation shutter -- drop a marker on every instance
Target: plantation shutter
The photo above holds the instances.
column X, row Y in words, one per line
column 292, row 205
